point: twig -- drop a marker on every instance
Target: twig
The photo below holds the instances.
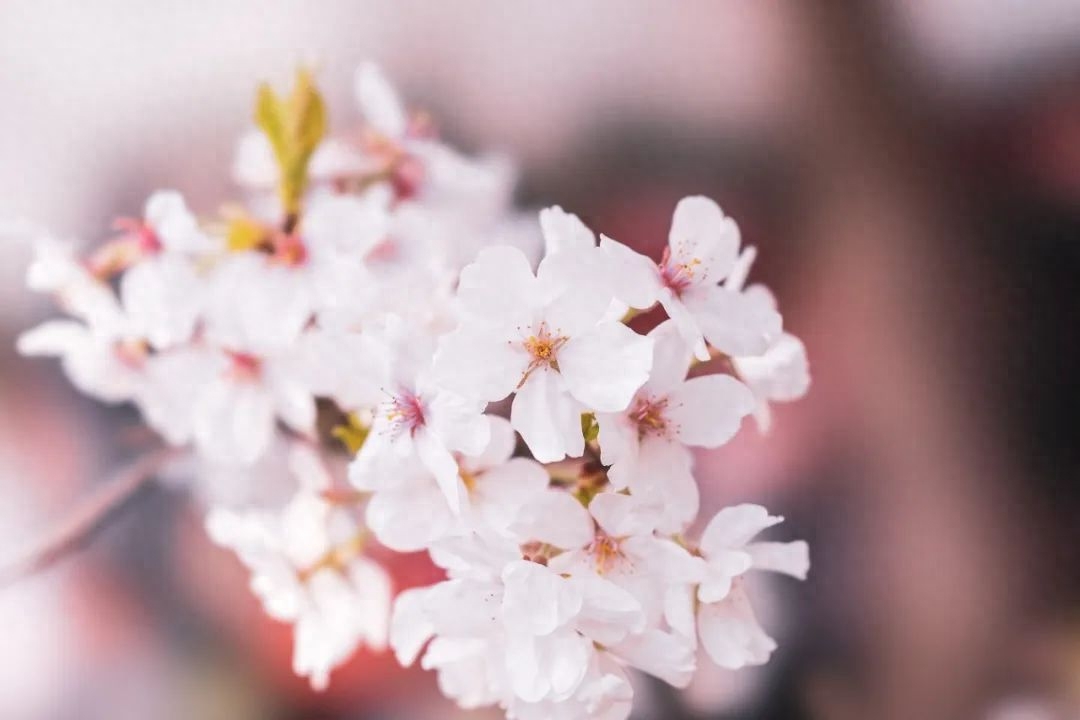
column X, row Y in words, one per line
column 87, row 518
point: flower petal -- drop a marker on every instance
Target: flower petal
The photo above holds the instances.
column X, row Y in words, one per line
column 548, row 419
column 606, row 366
column 707, row 411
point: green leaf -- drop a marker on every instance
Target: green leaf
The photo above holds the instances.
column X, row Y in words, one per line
column 295, row 126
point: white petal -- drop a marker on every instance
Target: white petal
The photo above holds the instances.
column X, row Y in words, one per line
column 671, row 358
column 379, row 102
column 479, row 364
column 620, row 515
column 619, row 446
column 409, row 627
column 442, row 465
column 731, row 634
column 635, row 278
column 502, row 492
column 707, row 411
column 163, row 296
column 499, row 287
column 499, row 449
column 576, row 288
column 686, row 322
column 664, row 655
column 536, row 600
column 53, row 338
column 781, row 374
column 662, row 475
column 735, row 323
column 408, row 520
column 733, row 527
column 548, row 419
column 234, row 421
column 459, row 423
column 609, row 613
column 175, row 225
column 790, row 558
column 555, row 517
column 564, row 231
column 605, row 367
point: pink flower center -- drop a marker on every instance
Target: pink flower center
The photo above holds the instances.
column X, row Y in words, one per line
column 405, row 411
column 675, row 275
column 132, row 353
column 650, row 415
column 244, row 366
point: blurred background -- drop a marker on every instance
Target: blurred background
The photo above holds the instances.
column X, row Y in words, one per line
column 911, row 174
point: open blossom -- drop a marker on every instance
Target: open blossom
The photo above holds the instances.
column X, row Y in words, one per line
column 544, row 338
column 647, row 445
column 702, row 250
column 726, row 623
column 308, row 569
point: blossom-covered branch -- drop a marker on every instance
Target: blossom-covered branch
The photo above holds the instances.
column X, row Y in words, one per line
column 329, row 352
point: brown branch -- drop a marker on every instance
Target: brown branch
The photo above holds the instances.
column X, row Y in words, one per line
column 86, row 519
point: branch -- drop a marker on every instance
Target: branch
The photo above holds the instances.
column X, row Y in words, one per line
column 85, row 520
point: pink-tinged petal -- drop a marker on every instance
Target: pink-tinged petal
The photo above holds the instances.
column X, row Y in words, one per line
column 738, row 324
column 672, row 356
column 409, row 627
column 790, row 558
column 635, row 277
column 704, row 239
column 618, row 438
column 498, row 287
column 379, row 101
column 547, row 418
column 733, row 527
column 605, row 367
column 731, row 634
column 707, row 411
column 499, row 449
column 664, row 655
column 685, row 321
column 668, row 561
column 479, row 365
column 564, row 231
column 555, row 517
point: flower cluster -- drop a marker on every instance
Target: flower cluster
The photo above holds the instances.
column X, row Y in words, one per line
column 335, row 353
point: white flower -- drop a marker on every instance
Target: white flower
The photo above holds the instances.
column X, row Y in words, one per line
column 781, row 373
column 543, row 338
column 728, row 628
column 647, row 444
column 624, row 552
column 307, row 570
column 162, row 291
column 702, row 249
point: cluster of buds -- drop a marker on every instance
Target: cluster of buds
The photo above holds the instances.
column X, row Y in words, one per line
column 333, row 357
